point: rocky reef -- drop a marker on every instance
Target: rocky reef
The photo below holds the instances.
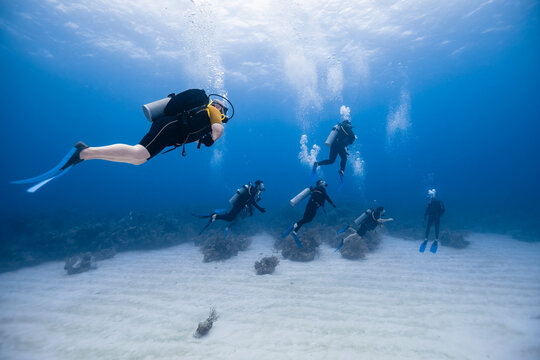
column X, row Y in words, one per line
column 30, row 240
column 80, row 263
column 87, row 261
column 266, row 265
column 453, row 239
column 357, row 247
column 216, row 246
column 308, row 251
column 205, row 326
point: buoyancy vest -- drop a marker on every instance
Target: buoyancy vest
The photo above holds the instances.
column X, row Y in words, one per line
column 190, row 107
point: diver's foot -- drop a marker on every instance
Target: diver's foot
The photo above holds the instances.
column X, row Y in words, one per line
column 76, row 157
column 213, row 217
column 434, row 247
column 295, row 227
column 423, row 246
column 341, row 172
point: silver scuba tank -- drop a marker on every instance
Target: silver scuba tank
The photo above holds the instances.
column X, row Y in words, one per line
column 362, row 217
column 155, row 109
column 301, row 196
column 239, row 192
column 332, row 136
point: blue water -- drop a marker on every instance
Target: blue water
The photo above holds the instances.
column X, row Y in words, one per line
column 463, row 81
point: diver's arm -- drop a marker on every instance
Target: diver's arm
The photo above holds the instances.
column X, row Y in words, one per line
column 382, row 221
column 261, row 209
column 217, row 130
column 329, row 200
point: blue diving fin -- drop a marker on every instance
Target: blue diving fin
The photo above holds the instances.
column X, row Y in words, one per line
column 423, row 246
column 434, row 247
column 314, row 172
column 343, row 229
column 340, row 245
column 210, row 221
column 36, row 187
column 49, row 174
column 296, row 240
column 288, row 231
column 202, row 216
column 341, row 180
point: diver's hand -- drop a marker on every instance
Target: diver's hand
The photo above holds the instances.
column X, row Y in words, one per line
column 263, row 210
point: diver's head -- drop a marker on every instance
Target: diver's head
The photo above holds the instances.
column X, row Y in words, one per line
column 321, row 183
column 379, row 211
column 346, row 122
column 220, row 105
column 432, row 193
column 260, row 185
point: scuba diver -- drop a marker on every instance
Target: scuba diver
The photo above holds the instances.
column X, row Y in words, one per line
column 435, row 209
column 243, row 200
column 317, row 199
column 340, row 137
column 177, row 120
column 368, row 221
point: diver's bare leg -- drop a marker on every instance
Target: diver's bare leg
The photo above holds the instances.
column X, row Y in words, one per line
column 136, row 154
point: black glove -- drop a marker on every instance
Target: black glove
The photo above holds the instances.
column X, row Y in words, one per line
column 263, row 210
column 207, row 140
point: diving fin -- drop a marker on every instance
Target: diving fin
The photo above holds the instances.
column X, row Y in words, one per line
column 210, row 221
column 340, row 245
column 202, row 216
column 49, row 174
column 296, row 240
column 434, row 246
column 423, row 246
column 72, row 158
column 343, row 229
column 314, row 172
column 205, row 227
column 288, row 231
column 36, row 187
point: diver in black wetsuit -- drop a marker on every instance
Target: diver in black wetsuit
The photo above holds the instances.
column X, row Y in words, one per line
column 317, row 199
column 373, row 218
column 244, row 200
column 435, row 209
column 344, row 138
column 189, row 116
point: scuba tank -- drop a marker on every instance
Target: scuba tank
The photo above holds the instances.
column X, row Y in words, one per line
column 239, row 192
column 332, row 136
column 359, row 220
column 155, row 109
column 301, row 196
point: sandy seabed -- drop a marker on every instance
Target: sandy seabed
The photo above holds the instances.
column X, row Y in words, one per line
column 482, row 302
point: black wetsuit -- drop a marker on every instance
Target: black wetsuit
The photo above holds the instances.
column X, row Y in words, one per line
column 344, row 138
column 433, row 213
column 317, row 199
column 172, row 129
column 245, row 201
column 370, row 223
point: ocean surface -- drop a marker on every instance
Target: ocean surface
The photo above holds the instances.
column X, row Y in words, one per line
column 441, row 95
